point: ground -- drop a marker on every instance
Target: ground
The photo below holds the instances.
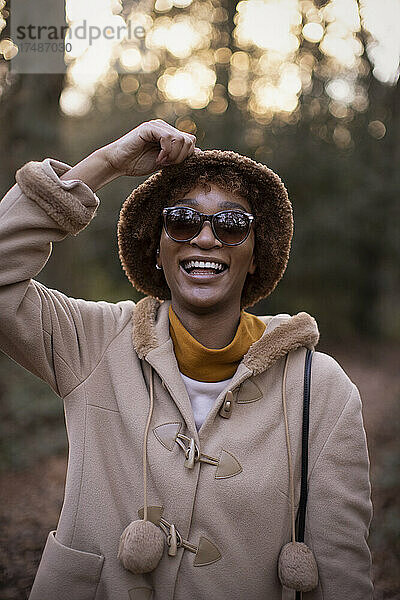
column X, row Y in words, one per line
column 30, row 502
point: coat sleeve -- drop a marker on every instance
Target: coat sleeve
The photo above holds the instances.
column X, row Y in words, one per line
column 59, row 339
column 339, row 510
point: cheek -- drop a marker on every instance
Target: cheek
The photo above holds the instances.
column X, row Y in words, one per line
column 168, row 253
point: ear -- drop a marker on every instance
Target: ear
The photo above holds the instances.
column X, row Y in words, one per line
column 252, row 266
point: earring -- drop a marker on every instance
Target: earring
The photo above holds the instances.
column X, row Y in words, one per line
column 157, row 265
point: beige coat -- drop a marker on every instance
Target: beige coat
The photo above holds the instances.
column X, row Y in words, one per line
column 233, row 509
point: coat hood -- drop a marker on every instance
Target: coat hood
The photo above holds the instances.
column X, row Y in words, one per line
column 283, row 334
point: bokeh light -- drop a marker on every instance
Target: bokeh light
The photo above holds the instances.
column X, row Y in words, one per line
column 193, row 84
column 341, row 90
column 268, row 63
column 313, row 32
column 180, row 36
column 342, row 137
column 257, row 25
column 377, row 129
column 8, row 49
column 74, row 103
column 382, row 20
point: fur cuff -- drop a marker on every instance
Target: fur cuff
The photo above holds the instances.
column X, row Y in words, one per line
column 71, row 210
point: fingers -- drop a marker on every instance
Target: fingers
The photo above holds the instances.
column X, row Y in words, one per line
column 187, row 149
column 172, row 147
column 181, row 148
column 175, row 145
column 166, row 139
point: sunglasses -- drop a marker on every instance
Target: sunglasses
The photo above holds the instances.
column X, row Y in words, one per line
column 230, row 227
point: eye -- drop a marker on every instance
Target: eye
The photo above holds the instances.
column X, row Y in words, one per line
column 232, row 221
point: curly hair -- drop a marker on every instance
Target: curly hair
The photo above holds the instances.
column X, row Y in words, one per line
column 140, row 222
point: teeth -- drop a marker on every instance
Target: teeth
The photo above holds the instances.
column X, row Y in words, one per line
column 201, row 264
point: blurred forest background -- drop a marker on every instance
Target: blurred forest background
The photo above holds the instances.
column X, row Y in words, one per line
column 309, row 88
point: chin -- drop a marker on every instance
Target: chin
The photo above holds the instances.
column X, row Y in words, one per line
column 204, row 301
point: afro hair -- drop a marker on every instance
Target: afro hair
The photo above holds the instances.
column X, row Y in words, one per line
column 140, row 222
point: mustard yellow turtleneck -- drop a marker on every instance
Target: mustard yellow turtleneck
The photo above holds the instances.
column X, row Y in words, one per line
column 213, row 364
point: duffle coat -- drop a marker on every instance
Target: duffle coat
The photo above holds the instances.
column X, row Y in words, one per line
column 233, row 510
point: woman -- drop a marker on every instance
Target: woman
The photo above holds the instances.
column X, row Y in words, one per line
column 184, row 412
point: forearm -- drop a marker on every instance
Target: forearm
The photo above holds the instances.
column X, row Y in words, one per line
column 94, row 170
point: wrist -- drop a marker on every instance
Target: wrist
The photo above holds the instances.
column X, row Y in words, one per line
column 95, row 170
column 104, row 156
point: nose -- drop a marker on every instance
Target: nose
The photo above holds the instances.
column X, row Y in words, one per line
column 206, row 238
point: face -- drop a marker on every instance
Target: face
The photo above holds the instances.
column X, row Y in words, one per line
column 199, row 289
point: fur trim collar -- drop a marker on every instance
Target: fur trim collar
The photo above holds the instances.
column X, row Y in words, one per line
column 292, row 333
column 143, row 327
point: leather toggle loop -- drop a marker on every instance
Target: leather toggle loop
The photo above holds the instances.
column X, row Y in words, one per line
column 205, row 552
column 227, row 464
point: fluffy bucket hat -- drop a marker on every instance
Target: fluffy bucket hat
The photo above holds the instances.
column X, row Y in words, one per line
column 140, row 222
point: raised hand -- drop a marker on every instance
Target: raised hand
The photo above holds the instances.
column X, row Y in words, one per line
column 149, row 147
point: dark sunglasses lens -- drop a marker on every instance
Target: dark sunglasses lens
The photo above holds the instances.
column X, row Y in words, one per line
column 231, row 227
column 182, row 223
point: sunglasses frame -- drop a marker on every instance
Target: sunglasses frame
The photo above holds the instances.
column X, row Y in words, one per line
column 210, row 218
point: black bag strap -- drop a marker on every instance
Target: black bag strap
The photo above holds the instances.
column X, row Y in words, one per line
column 301, row 515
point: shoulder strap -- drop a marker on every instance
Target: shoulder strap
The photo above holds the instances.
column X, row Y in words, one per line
column 304, row 447
column 301, row 515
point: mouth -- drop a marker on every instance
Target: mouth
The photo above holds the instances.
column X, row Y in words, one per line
column 203, row 268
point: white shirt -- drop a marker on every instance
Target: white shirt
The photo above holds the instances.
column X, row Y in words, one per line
column 202, row 396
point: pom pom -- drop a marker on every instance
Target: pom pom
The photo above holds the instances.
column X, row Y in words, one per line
column 141, row 546
column 297, row 568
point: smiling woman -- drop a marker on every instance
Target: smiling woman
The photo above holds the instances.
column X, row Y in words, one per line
column 184, row 411
column 194, row 284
